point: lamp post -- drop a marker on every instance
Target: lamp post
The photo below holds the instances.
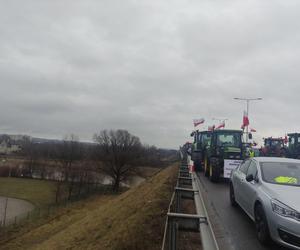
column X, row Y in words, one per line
column 248, row 100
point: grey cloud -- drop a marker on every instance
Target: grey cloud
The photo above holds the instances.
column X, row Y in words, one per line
column 149, row 67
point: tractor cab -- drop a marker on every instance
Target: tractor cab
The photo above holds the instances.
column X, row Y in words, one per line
column 227, row 143
column 201, row 140
column 205, row 138
column 273, row 147
column 294, row 145
column 224, row 153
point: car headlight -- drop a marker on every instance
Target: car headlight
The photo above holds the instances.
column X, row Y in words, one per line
column 284, row 210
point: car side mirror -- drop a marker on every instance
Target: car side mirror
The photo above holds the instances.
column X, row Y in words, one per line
column 249, row 178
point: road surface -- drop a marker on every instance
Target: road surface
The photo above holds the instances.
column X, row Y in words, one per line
column 233, row 228
column 15, row 207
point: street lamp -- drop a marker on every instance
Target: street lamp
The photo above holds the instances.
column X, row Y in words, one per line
column 247, row 102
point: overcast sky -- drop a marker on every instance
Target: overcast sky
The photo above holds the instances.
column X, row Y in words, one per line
column 150, row 67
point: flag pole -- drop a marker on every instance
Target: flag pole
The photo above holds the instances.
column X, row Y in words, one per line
column 247, row 129
column 248, row 104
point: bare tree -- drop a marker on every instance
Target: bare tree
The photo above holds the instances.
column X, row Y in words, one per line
column 69, row 152
column 32, row 154
column 119, row 153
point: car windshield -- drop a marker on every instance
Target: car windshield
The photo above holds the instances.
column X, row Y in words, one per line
column 284, row 173
column 226, row 139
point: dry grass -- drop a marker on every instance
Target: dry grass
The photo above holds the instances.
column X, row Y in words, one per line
column 132, row 220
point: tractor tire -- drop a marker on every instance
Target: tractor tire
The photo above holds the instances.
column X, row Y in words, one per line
column 206, row 168
column 214, row 171
column 198, row 166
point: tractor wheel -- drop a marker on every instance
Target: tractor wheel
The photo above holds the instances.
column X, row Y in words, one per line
column 198, row 167
column 206, row 168
column 214, row 171
column 283, row 153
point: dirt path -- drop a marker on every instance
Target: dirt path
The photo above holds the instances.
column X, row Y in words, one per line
column 15, row 207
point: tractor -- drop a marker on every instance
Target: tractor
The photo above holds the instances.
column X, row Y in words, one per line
column 200, row 142
column 224, row 153
column 293, row 150
column 273, row 147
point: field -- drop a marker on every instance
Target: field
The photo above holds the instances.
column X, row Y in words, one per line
column 38, row 192
column 132, row 220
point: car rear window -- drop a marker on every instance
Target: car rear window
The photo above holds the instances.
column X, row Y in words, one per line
column 283, row 173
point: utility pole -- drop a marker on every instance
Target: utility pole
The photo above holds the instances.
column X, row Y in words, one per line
column 248, row 100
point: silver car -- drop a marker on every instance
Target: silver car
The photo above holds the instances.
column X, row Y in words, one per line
column 268, row 190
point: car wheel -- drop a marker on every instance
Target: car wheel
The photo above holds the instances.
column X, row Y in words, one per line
column 198, row 167
column 232, row 196
column 261, row 223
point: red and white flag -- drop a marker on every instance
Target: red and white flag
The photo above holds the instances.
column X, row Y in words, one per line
column 211, row 128
column 252, row 130
column 222, row 125
column 245, row 119
column 198, row 122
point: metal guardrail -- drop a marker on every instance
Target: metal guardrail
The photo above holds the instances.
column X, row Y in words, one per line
column 208, row 238
column 177, row 221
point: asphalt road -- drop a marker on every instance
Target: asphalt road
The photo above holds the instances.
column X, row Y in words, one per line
column 233, row 228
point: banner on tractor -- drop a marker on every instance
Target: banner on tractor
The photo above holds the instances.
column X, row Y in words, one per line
column 230, row 165
column 197, row 122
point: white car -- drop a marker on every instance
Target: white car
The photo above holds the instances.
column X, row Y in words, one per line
column 268, row 190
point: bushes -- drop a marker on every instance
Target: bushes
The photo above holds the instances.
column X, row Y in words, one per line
column 6, row 171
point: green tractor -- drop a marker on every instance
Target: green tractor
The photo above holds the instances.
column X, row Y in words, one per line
column 199, row 146
column 224, row 153
column 293, row 150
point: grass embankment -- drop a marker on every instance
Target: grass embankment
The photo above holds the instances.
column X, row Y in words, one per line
column 132, row 220
column 39, row 192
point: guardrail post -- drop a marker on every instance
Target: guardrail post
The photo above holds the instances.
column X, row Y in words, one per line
column 173, row 235
column 177, row 221
column 177, row 200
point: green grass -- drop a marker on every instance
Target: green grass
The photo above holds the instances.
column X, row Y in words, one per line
column 39, row 192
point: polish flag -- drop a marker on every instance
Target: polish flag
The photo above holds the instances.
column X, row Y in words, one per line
column 252, row 130
column 198, row 122
column 245, row 119
column 211, row 128
column 222, row 125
